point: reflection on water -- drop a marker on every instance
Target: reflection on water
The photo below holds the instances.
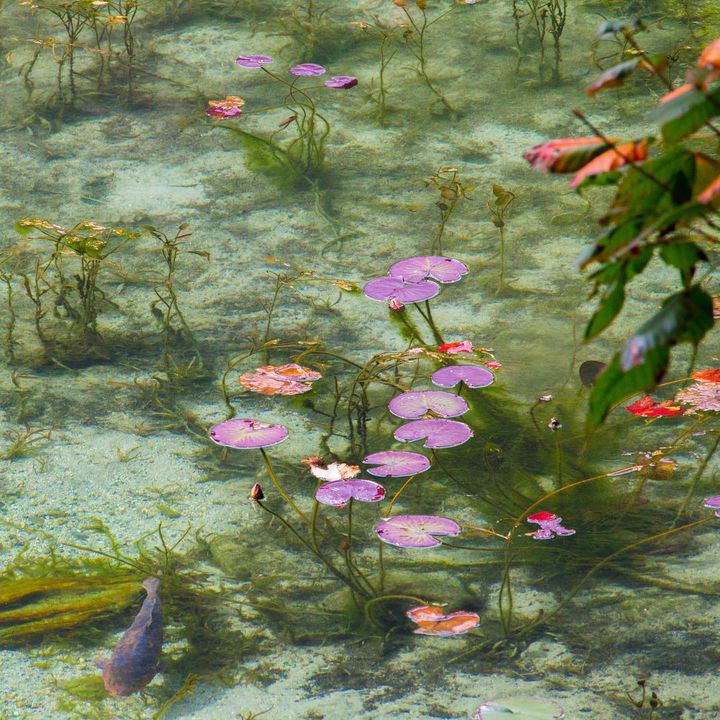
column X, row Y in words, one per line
column 154, row 255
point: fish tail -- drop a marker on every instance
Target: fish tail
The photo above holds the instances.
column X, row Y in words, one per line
column 152, row 585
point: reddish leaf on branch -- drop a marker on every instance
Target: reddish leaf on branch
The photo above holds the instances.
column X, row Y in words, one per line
column 617, row 74
column 565, row 154
column 710, row 193
column 710, row 57
column 612, row 159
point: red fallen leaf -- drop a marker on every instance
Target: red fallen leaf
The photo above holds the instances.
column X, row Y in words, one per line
column 711, row 192
column 565, row 154
column 612, row 160
column 710, row 57
column 711, row 375
column 431, row 620
column 646, row 407
column 542, row 516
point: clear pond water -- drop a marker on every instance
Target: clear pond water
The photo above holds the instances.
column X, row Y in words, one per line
column 114, row 371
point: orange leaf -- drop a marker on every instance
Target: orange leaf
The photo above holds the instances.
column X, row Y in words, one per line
column 710, row 57
column 711, row 375
column 612, row 160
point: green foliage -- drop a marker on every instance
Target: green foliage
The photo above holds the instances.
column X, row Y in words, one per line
column 684, row 317
column 664, row 207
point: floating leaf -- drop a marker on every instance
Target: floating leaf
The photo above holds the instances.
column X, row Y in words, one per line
column 389, row 288
column 438, row 433
column 437, row 267
column 246, row 434
column 396, row 463
column 415, row 531
column 432, row 620
column 339, row 493
column 472, row 375
column 589, row 371
column 417, row 403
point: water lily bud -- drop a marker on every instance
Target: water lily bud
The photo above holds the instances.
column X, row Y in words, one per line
column 554, row 424
column 256, row 493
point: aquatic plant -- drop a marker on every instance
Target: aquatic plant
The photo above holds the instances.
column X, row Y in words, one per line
column 415, row 37
column 84, row 19
column 387, row 35
column 415, row 531
column 498, row 210
column 542, row 17
column 182, row 360
column 303, row 156
column 64, row 285
column 663, row 207
column 445, row 181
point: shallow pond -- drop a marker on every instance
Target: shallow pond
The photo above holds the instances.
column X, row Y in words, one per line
column 213, row 246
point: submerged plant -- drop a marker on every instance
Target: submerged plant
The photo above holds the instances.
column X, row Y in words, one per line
column 542, row 17
column 303, row 156
column 64, row 285
column 499, row 208
column 451, row 190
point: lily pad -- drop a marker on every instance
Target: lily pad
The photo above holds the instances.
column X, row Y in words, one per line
column 437, row 432
column 472, row 375
column 417, row 403
column 396, row 463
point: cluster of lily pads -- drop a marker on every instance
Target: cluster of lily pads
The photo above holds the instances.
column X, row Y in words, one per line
column 231, row 106
column 431, row 416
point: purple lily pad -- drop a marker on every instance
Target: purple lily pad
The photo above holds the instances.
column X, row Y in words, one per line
column 711, row 502
column 340, row 492
column 442, row 269
column 253, row 61
column 472, row 375
column 438, row 432
column 392, row 288
column 342, row 82
column 245, row 434
column 417, row 403
column 307, row 69
column 396, row 463
column 415, row 531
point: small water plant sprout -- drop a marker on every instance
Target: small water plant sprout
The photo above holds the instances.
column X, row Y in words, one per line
column 302, row 158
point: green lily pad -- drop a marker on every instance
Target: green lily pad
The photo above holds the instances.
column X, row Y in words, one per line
column 520, row 708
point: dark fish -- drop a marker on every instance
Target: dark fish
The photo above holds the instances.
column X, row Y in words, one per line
column 590, row 370
column 135, row 659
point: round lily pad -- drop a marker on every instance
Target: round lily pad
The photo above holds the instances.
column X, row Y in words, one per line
column 416, row 403
column 246, row 434
column 396, row 463
column 472, row 375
